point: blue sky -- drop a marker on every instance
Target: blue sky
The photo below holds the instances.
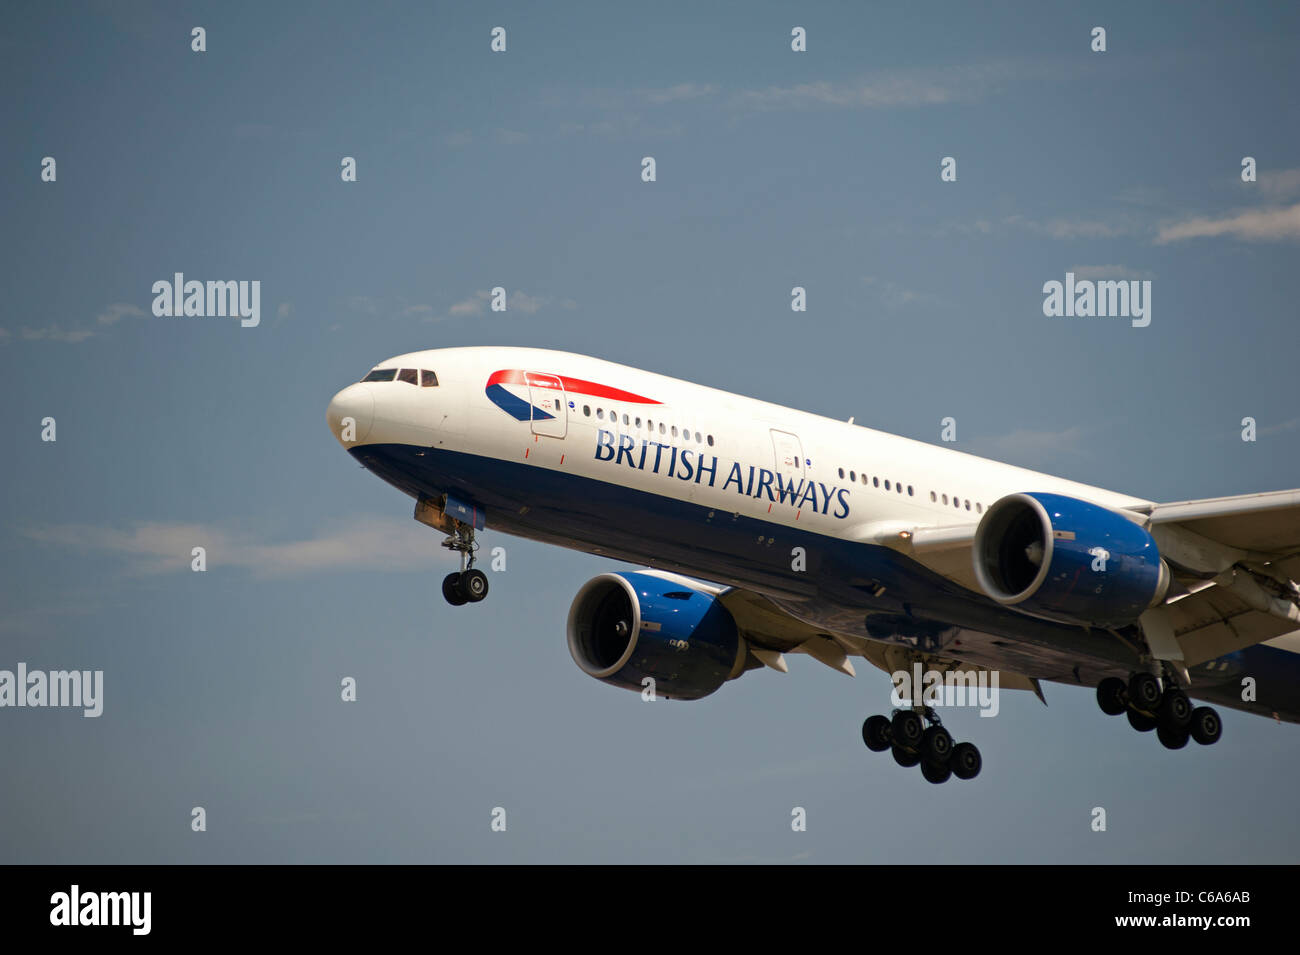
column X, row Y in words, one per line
column 522, row 169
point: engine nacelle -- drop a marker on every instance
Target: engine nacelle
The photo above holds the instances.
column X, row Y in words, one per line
column 1065, row 559
column 626, row 627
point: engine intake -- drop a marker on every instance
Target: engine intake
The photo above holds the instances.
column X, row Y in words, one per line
column 625, row 627
column 1058, row 557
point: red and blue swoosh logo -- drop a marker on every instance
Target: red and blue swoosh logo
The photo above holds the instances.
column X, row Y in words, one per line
column 509, row 389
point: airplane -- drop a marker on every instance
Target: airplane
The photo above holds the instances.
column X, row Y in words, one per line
column 766, row 531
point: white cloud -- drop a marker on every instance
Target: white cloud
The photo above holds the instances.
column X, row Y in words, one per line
column 1279, row 185
column 893, row 295
column 116, row 312
column 162, row 548
column 898, row 88
column 1252, row 226
column 680, row 92
column 1027, row 443
column 1108, row 272
column 56, row 333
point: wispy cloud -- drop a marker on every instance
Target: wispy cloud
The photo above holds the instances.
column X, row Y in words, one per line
column 885, row 90
column 1108, row 272
column 893, row 295
column 679, row 93
column 1027, row 443
column 1256, row 225
column 1279, row 185
column 74, row 334
column 163, row 548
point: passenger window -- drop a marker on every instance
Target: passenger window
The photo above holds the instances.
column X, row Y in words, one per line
column 428, row 379
column 979, row 508
column 674, row 431
column 638, row 422
column 864, row 479
column 382, row 374
column 600, row 413
column 909, row 491
column 945, row 500
column 586, row 410
column 875, row 482
column 841, row 474
column 968, row 504
column 625, row 419
column 710, row 440
column 662, row 429
column 886, row 484
column 898, row 488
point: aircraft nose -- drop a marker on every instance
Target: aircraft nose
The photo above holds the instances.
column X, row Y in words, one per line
column 350, row 414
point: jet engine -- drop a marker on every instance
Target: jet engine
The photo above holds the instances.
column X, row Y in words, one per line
column 626, row 627
column 1064, row 559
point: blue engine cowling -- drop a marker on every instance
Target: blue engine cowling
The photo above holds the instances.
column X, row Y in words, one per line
column 1065, row 559
column 626, row 627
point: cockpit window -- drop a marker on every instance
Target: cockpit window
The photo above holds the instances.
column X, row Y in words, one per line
column 409, row 375
column 381, row 374
column 428, row 379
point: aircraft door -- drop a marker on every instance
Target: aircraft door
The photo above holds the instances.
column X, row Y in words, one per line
column 789, row 458
column 546, row 395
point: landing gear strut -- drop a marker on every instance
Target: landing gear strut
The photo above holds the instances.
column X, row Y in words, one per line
column 468, row 585
column 912, row 743
column 1165, row 709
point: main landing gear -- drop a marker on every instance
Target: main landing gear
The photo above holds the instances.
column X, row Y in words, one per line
column 913, row 743
column 1167, row 710
column 468, row 585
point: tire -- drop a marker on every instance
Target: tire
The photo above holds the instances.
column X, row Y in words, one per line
column 1172, row 738
column 1144, row 693
column 1206, row 727
column 936, row 746
column 474, row 585
column 935, row 772
column 875, row 733
column 451, row 590
column 1112, row 696
column 966, row 761
column 907, row 730
column 904, row 758
column 1175, row 710
column 1141, row 722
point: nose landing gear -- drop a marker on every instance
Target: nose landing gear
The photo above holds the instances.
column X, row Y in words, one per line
column 468, row 585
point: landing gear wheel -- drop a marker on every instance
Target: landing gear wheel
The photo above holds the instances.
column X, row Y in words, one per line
column 1175, row 710
column 1172, row 738
column 935, row 772
column 936, row 746
column 875, row 733
column 1141, row 722
column 907, row 730
column 966, row 761
column 474, row 585
column 903, row 757
column 1144, row 693
column 1206, row 727
column 451, row 590
column 1112, row 696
